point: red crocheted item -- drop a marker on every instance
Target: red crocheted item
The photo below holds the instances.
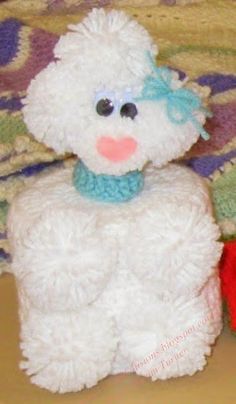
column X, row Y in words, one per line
column 228, row 279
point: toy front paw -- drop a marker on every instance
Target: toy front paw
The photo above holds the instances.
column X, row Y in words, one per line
column 64, row 261
column 175, row 249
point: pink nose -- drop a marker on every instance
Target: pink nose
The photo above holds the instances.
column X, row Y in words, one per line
column 116, row 149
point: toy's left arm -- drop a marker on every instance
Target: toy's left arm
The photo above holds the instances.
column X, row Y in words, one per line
column 175, row 247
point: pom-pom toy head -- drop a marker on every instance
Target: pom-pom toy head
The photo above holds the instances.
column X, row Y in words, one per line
column 104, row 99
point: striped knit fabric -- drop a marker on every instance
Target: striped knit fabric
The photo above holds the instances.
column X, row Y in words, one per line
column 197, row 39
column 71, row 6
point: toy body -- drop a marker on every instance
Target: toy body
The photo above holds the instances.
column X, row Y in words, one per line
column 116, row 272
column 102, row 287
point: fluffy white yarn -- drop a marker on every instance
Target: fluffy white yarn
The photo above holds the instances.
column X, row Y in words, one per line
column 148, row 267
column 110, row 288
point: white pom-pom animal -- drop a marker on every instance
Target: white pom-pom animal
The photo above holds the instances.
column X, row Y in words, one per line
column 115, row 259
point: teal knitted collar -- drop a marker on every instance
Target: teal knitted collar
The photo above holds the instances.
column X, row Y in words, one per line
column 107, row 188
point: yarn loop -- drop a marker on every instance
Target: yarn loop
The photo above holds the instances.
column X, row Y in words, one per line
column 181, row 103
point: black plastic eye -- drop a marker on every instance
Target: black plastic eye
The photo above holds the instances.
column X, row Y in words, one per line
column 129, row 110
column 104, row 107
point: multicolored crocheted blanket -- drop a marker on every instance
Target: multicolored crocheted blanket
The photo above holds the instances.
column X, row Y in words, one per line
column 198, row 40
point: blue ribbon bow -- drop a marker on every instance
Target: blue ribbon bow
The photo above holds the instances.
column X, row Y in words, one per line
column 180, row 102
